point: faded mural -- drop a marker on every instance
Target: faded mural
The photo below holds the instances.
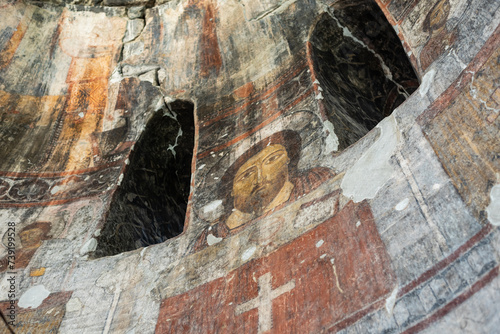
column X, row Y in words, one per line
column 270, row 241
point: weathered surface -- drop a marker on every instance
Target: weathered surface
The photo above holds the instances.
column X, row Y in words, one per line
column 295, row 221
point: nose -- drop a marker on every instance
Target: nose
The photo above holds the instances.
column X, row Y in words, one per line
column 259, row 174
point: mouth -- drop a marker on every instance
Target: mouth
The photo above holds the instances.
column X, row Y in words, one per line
column 262, row 188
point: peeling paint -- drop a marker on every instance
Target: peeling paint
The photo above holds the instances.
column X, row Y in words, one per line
column 212, row 240
column 493, row 208
column 247, row 254
column 89, row 246
column 33, row 297
column 331, row 141
column 426, row 82
column 74, row 305
column 364, row 179
column 391, row 301
column 402, row 204
column 212, row 210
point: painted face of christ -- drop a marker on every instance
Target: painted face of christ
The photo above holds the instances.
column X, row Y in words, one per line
column 260, row 179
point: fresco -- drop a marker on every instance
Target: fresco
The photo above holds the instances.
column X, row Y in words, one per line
column 451, row 125
column 435, row 33
column 271, row 242
column 264, row 179
column 440, row 38
column 31, row 237
column 310, row 284
column 46, row 318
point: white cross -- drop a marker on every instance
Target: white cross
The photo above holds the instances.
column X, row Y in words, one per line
column 263, row 302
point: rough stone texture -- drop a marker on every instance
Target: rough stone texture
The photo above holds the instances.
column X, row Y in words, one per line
column 272, row 240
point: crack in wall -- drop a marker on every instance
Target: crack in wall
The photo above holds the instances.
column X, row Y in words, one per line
column 387, row 71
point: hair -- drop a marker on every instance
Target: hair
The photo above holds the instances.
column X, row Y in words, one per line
column 289, row 139
column 427, row 21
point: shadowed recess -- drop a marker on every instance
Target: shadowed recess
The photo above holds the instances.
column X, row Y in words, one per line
column 149, row 206
column 361, row 67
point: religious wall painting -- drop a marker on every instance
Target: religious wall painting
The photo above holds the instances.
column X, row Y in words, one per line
column 25, row 236
column 65, row 110
column 87, row 80
column 339, row 267
column 44, row 318
column 30, row 238
column 268, row 175
column 436, row 32
column 68, row 144
column 440, row 39
column 265, row 179
column 233, row 117
column 15, row 23
column 452, row 123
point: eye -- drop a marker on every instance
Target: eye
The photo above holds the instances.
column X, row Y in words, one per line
column 273, row 158
column 246, row 174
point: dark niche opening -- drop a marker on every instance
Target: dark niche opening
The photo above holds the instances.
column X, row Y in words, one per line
column 150, row 204
column 361, row 67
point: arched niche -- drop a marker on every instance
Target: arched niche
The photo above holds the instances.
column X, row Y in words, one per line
column 149, row 206
column 361, row 66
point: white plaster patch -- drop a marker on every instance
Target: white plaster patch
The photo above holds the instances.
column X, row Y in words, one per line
column 55, row 189
column 436, row 186
column 391, row 301
column 212, row 210
column 322, row 256
column 120, row 179
column 403, row 204
column 493, row 208
column 97, row 232
column 74, row 305
column 319, row 243
column 319, row 96
column 89, row 246
column 358, row 224
column 81, row 114
column 426, row 82
column 212, row 240
column 116, row 76
column 201, row 167
column 331, row 141
column 316, row 82
column 33, row 297
column 248, row 253
column 364, row 179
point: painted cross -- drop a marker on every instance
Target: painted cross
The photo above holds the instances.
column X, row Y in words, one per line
column 263, row 302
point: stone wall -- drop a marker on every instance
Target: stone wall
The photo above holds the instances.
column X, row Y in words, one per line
column 288, row 227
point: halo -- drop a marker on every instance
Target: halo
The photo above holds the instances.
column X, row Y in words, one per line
column 306, row 124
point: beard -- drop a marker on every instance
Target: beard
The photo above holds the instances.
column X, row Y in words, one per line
column 260, row 198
